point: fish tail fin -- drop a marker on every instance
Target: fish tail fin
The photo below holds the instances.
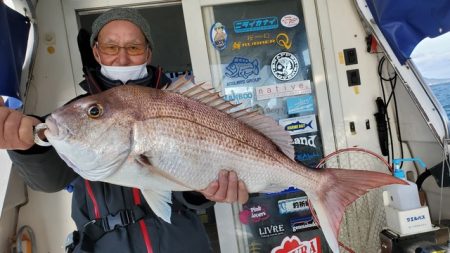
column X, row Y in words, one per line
column 337, row 189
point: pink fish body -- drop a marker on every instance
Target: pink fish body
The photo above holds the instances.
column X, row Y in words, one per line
column 179, row 139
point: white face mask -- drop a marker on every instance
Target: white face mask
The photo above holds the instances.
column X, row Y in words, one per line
column 124, row 73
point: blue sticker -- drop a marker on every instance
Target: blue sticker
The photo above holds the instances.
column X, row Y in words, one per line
column 256, row 24
column 239, row 95
column 308, row 148
column 300, row 104
column 308, row 156
column 242, row 67
column 218, row 36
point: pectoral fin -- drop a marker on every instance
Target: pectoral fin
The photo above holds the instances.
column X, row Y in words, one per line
column 168, row 180
column 159, row 203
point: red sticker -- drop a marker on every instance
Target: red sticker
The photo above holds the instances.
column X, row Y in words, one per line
column 254, row 214
column 294, row 245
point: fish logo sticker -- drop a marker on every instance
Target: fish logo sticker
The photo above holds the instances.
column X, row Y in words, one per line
column 295, row 245
column 242, row 67
column 299, row 125
column 284, row 66
column 289, row 21
column 218, row 36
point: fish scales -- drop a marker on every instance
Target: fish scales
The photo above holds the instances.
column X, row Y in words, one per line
column 205, row 151
column 169, row 105
column 174, row 105
column 160, row 141
column 241, row 138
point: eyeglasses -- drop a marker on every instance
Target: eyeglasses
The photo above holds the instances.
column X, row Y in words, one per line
column 111, row 49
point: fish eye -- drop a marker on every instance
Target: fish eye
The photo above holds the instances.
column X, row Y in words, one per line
column 95, row 111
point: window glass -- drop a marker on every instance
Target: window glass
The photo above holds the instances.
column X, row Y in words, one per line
column 432, row 59
column 259, row 56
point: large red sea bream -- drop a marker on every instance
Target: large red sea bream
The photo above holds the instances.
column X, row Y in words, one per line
column 178, row 139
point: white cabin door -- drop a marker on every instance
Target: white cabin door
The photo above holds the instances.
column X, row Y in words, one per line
column 266, row 54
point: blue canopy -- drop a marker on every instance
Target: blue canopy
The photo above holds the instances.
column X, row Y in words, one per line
column 405, row 23
column 14, row 29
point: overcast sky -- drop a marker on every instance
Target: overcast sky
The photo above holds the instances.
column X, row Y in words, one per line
column 432, row 56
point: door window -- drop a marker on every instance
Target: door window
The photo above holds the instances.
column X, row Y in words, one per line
column 259, row 56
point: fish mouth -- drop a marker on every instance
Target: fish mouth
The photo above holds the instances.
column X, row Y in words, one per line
column 55, row 130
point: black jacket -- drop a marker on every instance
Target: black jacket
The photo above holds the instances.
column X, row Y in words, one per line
column 112, row 218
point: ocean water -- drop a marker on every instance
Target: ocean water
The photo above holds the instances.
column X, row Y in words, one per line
column 442, row 93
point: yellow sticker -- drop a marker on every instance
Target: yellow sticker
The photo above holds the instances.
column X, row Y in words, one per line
column 283, row 40
column 341, row 58
column 51, row 50
column 356, row 89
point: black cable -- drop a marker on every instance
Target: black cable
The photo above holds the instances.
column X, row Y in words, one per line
column 399, row 133
column 380, row 66
column 380, row 70
column 421, row 178
column 393, row 83
column 391, row 140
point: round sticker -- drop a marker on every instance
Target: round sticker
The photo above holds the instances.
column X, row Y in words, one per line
column 218, row 36
column 284, row 66
column 290, row 20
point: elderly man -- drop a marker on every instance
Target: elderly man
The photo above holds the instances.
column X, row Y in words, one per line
column 112, row 218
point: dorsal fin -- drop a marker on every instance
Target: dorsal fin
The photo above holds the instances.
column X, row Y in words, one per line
column 253, row 118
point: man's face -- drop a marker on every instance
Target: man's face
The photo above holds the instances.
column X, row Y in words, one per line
column 124, row 34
